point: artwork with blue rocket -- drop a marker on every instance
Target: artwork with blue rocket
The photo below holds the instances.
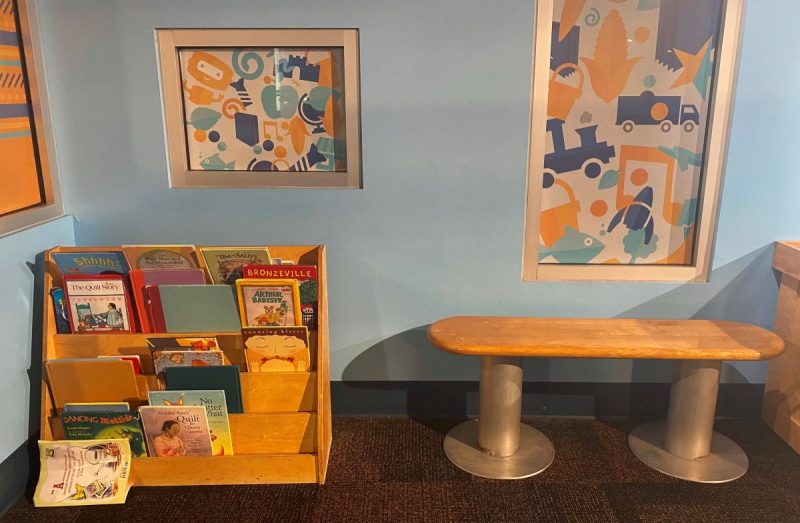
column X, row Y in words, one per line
column 264, row 109
column 629, row 95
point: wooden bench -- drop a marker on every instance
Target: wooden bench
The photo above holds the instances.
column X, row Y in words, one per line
column 498, row 446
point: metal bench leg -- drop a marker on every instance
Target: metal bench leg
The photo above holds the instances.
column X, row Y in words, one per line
column 686, row 446
column 497, row 445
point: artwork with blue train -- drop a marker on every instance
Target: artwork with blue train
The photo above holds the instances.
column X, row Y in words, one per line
column 628, row 103
column 264, row 109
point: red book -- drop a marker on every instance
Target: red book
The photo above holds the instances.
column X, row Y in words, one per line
column 98, row 303
column 140, row 278
column 306, row 275
column 155, row 311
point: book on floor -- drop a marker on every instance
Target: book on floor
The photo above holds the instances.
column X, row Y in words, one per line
column 173, row 432
column 216, row 413
column 105, row 425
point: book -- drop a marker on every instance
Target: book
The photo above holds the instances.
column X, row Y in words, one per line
column 176, row 431
column 83, row 472
column 107, row 262
column 105, row 425
column 224, row 264
column 270, row 349
column 162, row 359
column 60, row 311
column 97, row 303
column 135, row 360
column 208, row 343
column 160, row 256
column 216, row 413
column 98, row 406
column 142, row 278
column 192, row 308
column 306, row 276
column 224, row 378
column 91, row 380
column 269, row 303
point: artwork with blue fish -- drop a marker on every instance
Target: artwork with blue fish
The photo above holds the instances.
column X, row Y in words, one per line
column 685, row 157
column 215, row 163
column 638, row 215
column 573, row 247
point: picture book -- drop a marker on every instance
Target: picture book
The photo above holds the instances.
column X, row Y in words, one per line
column 269, row 303
column 160, row 256
column 224, row 264
column 209, row 343
column 97, row 303
column 306, row 276
column 184, row 358
column 135, row 360
column 91, row 380
column 142, row 278
column 216, row 413
column 209, row 378
column 98, row 406
column 110, row 262
column 192, row 308
column 276, row 348
column 83, row 472
column 60, row 311
column 105, row 425
column 173, row 432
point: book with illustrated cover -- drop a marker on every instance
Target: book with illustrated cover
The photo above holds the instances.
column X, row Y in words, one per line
column 162, row 359
column 97, row 303
column 269, row 303
column 83, row 472
column 173, row 432
column 224, row 264
column 60, row 311
column 105, row 425
column 160, row 256
column 109, row 262
column 306, row 276
column 271, row 349
column 216, row 413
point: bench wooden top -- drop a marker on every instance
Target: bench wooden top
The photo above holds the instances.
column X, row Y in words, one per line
column 604, row 338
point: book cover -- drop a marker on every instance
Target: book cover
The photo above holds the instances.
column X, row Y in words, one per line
column 224, row 264
column 105, row 425
column 142, row 278
column 91, row 380
column 209, row 378
column 160, row 256
column 110, row 262
column 194, row 308
column 269, row 303
column 184, row 358
column 98, row 406
column 97, row 303
column 176, row 431
column 60, row 311
column 271, row 349
column 135, row 360
column 306, row 276
column 85, row 472
column 216, row 413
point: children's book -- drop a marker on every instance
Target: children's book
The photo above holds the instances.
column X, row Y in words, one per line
column 192, row 308
column 83, row 472
column 97, row 303
column 98, row 406
column 173, row 432
column 105, row 425
column 91, row 380
column 276, row 348
column 306, row 275
column 135, row 360
column 209, row 378
column 216, row 413
column 60, row 310
column 269, row 303
column 142, row 278
column 184, row 358
column 110, row 262
column 209, row 343
column 224, row 264
column 160, row 256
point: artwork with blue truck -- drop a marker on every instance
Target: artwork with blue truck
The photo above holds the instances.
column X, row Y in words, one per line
column 628, row 100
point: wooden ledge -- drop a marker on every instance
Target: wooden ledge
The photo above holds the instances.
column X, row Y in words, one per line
column 605, row 338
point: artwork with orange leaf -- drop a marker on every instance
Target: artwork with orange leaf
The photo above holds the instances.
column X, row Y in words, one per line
column 629, row 90
column 216, row 413
column 264, row 109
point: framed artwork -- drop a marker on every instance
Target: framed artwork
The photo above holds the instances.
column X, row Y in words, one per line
column 629, row 127
column 261, row 107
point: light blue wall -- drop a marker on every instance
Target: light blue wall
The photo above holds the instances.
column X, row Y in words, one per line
column 16, row 288
column 437, row 230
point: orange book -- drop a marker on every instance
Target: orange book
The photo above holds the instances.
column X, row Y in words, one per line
column 92, row 380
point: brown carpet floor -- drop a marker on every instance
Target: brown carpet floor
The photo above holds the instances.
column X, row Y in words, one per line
column 393, row 469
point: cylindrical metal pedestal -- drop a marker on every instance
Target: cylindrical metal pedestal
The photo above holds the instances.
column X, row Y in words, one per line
column 497, row 445
column 686, row 446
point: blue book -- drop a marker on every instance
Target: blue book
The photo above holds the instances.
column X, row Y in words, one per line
column 109, row 262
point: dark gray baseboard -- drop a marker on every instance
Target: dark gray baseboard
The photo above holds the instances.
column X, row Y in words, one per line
column 460, row 398
column 14, row 476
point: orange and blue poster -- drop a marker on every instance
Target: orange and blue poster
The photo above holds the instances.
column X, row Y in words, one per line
column 628, row 103
column 18, row 160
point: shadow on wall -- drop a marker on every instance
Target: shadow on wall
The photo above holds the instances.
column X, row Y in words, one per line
column 742, row 290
